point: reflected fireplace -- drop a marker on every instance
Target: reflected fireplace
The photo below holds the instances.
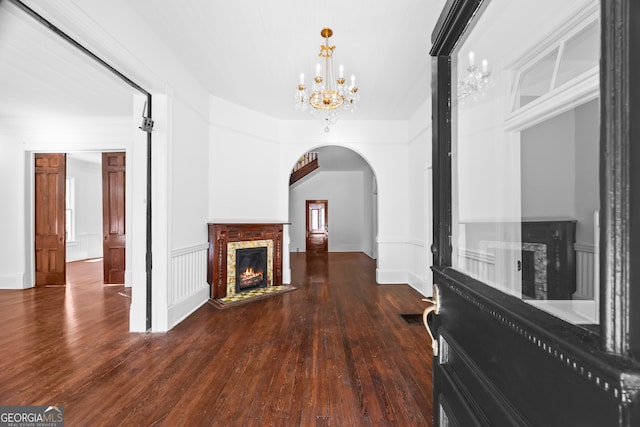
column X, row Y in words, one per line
column 251, row 269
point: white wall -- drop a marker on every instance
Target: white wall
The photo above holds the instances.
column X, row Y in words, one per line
column 420, row 202
column 244, row 162
column 562, row 153
column 12, row 215
column 189, row 175
column 87, row 177
column 548, row 169
column 347, row 214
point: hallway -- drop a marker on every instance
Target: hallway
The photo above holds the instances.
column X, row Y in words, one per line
column 333, row 352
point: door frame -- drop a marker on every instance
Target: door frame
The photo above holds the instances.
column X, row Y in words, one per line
column 326, row 221
column 29, row 179
column 608, row 361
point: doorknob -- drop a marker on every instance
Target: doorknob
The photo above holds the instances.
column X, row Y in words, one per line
column 435, row 308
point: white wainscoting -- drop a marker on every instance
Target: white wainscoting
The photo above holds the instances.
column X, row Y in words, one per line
column 188, row 289
column 393, row 254
column 419, row 271
column 585, row 271
column 86, row 245
column 481, row 265
column 478, row 264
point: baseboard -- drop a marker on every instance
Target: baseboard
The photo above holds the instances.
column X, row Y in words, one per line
column 369, row 254
column 183, row 308
column 387, row 277
column 420, row 284
column 346, row 248
column 12, row 281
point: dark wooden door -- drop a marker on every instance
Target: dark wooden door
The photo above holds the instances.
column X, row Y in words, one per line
column 50, row 241
column 113, row 208
column 499, row 360
column 317, row 226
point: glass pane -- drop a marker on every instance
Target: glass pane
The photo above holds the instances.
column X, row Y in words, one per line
column 321, row 219
column 314, row 219
column 581, row 53
column 526, row 201
column 536, row 81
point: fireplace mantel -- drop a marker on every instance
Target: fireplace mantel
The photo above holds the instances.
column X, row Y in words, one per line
column 221, row 234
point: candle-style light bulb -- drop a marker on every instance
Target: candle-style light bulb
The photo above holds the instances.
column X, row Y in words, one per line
column 301, row 79
column 485, row 65
column 472, row 59
column 341, row 71
column 353, row 80
column 318, row 70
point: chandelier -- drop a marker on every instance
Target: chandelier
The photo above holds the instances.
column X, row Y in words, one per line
column 474, row 82
column 328, row 94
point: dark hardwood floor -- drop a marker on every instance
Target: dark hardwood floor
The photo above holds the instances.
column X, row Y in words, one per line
column 334, row 352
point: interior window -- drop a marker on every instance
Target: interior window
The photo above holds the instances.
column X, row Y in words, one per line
column 526, row 196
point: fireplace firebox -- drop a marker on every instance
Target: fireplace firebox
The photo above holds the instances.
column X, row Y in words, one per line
column 251, row 269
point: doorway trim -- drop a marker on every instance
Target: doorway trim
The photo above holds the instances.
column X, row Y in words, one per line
column 325, row 225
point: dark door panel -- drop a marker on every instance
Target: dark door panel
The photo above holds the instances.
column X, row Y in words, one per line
column 50, row 241
column 113, row 206
column 519, row 365
column 455, row 406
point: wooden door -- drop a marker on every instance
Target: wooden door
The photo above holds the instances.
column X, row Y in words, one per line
column 317, row 226
column 113, row 208
column 50, row 241
column 499, row 359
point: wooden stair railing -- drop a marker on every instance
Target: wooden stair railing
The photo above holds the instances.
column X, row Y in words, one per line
column 307, row 164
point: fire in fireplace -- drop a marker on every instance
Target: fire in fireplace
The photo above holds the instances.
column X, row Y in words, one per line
column 251, row 268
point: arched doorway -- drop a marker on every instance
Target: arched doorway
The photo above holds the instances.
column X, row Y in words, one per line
column 348, row 183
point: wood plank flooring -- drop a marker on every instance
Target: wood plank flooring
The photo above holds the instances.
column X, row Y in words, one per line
column 334, row 352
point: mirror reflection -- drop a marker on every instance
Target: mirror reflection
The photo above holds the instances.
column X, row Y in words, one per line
column 525, row 154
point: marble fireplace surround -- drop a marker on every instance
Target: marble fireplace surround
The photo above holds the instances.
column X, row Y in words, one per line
column 232, row 247
column 225, row 238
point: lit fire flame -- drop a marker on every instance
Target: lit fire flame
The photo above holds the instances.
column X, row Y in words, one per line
column 249, row 273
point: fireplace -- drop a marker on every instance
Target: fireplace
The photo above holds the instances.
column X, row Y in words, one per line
column 243, row 257
column 251, row 269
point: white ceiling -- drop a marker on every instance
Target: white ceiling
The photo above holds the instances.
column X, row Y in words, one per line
column 249, row 52
column 42, row 75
